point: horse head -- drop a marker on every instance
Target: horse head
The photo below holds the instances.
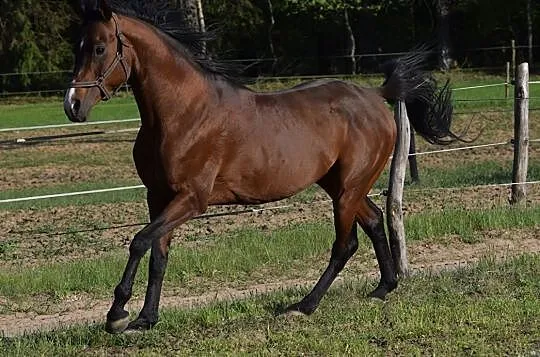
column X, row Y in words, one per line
column 102, row 64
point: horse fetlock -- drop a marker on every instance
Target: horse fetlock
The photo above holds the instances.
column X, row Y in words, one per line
column 383, row 289
column 141, row 324
column 392, row 285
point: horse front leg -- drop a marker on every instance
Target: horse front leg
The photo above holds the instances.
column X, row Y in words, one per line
column 159, row 253
column 156, row 235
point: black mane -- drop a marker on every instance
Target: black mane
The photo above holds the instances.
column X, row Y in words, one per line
column 189, row 42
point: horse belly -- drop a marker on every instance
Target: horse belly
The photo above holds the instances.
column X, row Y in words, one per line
column 274, row 179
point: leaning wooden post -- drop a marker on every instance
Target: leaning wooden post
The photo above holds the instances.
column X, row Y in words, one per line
column 521, row 134
column 413, row 164
column 394, row 211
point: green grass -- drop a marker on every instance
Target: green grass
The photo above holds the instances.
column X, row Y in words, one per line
column 246, row 254
column 134, row 195
column 469, row 223
column 471, row 174
column 478, row 173
column 18, row 115
column 14, row 159
column 489, row 309
column 226, row 258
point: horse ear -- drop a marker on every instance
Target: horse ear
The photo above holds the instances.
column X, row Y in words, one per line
column 95, row 9
column 105, row 10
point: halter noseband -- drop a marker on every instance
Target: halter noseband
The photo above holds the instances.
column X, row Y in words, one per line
column 119, row 58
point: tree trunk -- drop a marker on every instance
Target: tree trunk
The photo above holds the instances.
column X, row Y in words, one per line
column 530, row 32
column 270, row 38
column 443, row 34
column 193, row 11
column 189, row 8
column 200, row 16
column 352, row 42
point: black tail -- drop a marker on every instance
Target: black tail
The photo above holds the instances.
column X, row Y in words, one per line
column 429, row 108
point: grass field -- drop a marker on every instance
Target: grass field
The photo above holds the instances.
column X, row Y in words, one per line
column 488, row 309
column 63, row 256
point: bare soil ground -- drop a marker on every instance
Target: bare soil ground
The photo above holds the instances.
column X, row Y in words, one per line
column 33, row 235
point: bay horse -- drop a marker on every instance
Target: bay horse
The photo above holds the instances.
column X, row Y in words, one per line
column 206, row 139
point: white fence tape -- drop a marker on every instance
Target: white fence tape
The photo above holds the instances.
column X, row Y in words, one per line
column 67, row 194
column 71, row 125
column 482, row 86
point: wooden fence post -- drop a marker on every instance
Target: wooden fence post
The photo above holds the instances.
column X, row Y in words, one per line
column 521, row 134
column 514, row 68
column 394, row 211
column 507, row 84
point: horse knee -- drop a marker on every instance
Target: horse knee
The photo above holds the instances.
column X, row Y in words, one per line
column 139, row 245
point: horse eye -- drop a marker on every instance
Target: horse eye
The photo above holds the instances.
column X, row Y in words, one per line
column 99, row 50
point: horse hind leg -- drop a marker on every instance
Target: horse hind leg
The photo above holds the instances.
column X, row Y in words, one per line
column 344, row 247
column 370, row 218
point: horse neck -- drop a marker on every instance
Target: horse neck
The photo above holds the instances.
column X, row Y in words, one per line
column 165, row 84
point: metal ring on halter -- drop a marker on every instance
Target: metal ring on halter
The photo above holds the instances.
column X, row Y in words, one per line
column 119, row 58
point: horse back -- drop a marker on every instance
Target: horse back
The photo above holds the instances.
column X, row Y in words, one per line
column 296, row 136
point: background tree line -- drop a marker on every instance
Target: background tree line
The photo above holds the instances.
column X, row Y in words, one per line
column 289, row 37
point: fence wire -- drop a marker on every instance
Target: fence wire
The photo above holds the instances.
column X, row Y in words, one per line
column 265, row 209
column 127, row 188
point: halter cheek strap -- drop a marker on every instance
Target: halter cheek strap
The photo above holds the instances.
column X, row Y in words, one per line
column 118, row 59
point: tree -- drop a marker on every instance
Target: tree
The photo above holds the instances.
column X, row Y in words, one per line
column 34, row 37
column 343, row 9
column 271, row 24
column 443, row 8
column 193, row 11
column 241, row 26
column 530, row 32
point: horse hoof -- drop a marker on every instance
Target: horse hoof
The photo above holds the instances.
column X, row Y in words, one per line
column 299, row 309
column 293, row 314
column 117, row 326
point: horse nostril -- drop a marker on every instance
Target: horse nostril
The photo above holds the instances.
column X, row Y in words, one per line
column 75, row 106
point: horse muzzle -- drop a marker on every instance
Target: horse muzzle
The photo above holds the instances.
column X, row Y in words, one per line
column 75, row 108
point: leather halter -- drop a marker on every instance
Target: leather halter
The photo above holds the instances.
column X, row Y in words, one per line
column 119, row 58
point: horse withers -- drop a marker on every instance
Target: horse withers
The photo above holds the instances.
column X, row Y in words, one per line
column 206, row 139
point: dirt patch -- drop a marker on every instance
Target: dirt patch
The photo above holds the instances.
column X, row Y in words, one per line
column 43, row 176
column 422, row 200
column 423, row 257
column 34, row 237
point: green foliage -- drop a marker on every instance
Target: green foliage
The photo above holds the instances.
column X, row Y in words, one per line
column 239, row 23
column 322, row 7
column 33, row 37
